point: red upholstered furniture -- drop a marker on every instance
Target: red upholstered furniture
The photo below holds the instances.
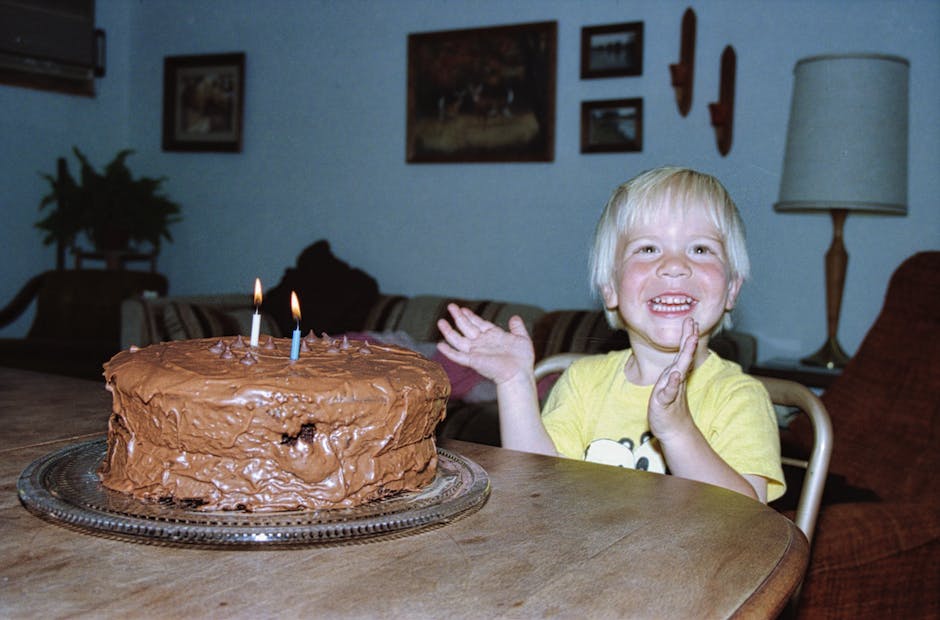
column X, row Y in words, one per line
column 880, row 558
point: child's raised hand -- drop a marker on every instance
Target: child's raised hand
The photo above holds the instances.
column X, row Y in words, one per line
column 668, row 407
column 491, row 351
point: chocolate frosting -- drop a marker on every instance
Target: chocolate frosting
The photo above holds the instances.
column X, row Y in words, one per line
column 222, row 426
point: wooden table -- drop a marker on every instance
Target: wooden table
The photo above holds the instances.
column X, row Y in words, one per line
column 557, row 538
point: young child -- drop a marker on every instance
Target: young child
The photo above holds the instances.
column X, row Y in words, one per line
column 668, row 261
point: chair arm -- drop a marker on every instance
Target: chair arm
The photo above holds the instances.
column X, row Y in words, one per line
column 21, row 301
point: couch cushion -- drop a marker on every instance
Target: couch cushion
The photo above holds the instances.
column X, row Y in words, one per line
column 385, row 313
column 182, row 321
column 576, row 331
column 418, row 315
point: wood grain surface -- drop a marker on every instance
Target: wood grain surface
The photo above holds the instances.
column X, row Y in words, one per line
column 557, row 538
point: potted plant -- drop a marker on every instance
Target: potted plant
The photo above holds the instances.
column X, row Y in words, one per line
column 114, row 210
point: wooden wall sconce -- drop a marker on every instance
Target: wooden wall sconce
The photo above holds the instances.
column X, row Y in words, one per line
column 722, row 111
column 683, row 72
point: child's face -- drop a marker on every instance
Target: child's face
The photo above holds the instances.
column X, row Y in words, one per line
column 669, row 269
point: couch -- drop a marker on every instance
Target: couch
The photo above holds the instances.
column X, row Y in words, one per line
column 407, row 321
column 876, row 550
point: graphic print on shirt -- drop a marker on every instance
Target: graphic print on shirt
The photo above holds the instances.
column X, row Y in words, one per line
column 626, row 453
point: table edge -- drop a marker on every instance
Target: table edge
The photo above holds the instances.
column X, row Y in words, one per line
column 770, row 598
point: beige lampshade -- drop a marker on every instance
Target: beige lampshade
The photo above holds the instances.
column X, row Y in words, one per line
column 847, row 136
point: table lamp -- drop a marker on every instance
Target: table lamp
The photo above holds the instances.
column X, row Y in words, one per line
column 846, row 151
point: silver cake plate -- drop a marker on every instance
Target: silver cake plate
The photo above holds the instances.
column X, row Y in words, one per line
column 63, row 488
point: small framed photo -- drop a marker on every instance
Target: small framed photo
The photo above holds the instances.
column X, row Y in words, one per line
column 614, row 50
column 612, row 126
column 203, row 102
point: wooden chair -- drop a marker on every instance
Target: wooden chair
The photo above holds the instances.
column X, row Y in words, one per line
column 795, row 395
column 77, row 324
column 782, row 392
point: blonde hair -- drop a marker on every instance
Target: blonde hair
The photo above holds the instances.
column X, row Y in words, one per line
column 640, row 199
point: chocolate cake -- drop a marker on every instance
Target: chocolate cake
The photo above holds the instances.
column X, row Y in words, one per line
column 218, row 425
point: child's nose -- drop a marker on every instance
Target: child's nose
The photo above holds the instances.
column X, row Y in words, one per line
column 674, row 265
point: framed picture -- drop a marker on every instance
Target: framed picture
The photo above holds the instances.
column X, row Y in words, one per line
column 614, row 50
column 203, row 100
column 612, row 126
column 482, row 95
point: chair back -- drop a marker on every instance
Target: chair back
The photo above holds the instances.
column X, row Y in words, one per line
column 797, row 396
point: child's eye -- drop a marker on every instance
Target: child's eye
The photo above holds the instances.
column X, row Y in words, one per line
column 646, row 249
column 701, row 249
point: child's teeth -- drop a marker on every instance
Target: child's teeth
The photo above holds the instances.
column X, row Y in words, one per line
column 673, row 299
column 672, row 302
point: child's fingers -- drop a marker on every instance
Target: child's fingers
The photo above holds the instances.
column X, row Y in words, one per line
column 463, row 321
column 468, row 321
column 687, row 347
column 667, row 388
column 453, row 354
column 517, row 326
column 476, row 320
column 452, row 336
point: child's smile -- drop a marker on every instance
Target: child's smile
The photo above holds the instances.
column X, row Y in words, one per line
column 672, row 304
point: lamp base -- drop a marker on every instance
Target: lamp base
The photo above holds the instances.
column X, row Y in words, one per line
column 830, row 355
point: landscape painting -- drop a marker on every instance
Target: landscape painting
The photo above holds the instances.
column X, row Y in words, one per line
column 614, row 50
column 613, row 125
column 482, row 95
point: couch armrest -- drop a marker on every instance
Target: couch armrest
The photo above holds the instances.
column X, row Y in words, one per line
column 858, row 533
column 873, row 559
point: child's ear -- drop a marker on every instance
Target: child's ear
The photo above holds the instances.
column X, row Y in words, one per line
column 610, row 296
column 734, row 287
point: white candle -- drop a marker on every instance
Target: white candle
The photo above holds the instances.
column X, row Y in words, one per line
column 256, row 317
column 295, row 341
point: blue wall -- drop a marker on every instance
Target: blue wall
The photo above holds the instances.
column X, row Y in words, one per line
column 324, row 153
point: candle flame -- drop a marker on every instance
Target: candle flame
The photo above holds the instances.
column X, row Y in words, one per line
column 257, row 291
column 294, row 306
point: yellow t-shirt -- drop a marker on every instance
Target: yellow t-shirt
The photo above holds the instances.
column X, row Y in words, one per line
column 593, row 413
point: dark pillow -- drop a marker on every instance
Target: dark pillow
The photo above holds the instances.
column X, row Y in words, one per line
column 334, row 297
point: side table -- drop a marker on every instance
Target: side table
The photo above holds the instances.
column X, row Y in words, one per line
column 818, row 377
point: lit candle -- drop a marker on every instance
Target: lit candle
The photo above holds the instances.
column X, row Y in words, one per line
column 295, row 342
column 256, row 317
